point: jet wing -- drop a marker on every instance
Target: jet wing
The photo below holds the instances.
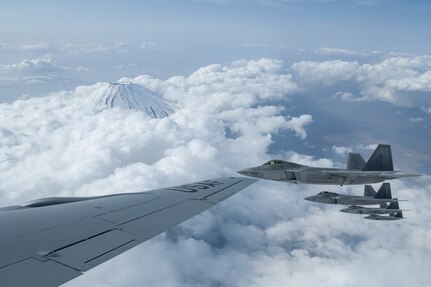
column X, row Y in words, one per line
column 343, row 173
column 51, row 241
column 344, row 176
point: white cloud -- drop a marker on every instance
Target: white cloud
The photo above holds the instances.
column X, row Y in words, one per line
column 217, row 87
column 412, row 84
column 83, row 48
column 340, row 51
column 367, row 147
column 341, row 150
column 254, row 46
column 218, row 115
column 267, row 235
column 43, row 65
column 402, row 81
column 347, row 96
column 82, row 69
column 69, row 48
column 426, row 109
column 329, row 73
column 80, row 48
column 33, row 71
column 152, row 46
column 296, row 124
column 26, row 46
column 416, row 120
column 126, row 66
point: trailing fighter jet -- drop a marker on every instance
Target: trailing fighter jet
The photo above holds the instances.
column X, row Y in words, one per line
column 384, row 208
column 370, row 197
column 393, row 216
column 377, row 169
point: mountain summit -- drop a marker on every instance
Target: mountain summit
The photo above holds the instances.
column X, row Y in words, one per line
column 132, row 96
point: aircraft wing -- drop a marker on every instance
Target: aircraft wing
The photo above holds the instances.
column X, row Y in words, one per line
column 51, row 241
column 344, row 176
column 343, row 173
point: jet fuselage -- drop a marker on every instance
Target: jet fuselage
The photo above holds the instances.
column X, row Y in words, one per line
column 368, row 210
column 383, row 217
column 336, row 198
column 292, row 172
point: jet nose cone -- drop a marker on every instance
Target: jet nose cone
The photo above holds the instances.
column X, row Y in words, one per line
column 310, row 198
column 244, row 171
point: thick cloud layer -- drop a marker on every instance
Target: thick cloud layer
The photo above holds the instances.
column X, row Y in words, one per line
column 401, row 80
column 29, row 72
column 64, row 144
column 266, row 235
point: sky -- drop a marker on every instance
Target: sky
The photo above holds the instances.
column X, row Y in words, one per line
column 306, row 81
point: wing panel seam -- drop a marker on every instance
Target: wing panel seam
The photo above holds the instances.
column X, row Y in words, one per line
column 80, row 241
column 221, row 189
column 109, row 251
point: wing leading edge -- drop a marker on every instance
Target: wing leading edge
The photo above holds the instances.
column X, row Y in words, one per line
column 49, row 243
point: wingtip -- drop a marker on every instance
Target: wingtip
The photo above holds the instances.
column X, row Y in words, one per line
column 249, row 180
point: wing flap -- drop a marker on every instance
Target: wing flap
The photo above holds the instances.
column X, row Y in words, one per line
column 49, row 239
column 153, row 224
column 79, row 255
column 32, row 272
column 137, row 211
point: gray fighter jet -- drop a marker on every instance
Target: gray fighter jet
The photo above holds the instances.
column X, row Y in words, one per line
column 393, row 216
column 384, row 208
column 370, row 197
column 378, row 168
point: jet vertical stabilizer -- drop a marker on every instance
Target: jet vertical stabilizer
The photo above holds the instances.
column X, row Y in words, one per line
column 355, row 161
column 369, row 191
column 395, row 213
column 384, row 192
column 383, row 205
column 380, row 160
column 394, row 204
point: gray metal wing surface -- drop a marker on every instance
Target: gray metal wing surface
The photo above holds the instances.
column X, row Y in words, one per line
column 51, row 241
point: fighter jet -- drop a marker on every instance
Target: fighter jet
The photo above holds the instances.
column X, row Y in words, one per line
column 370, row 197
column 377, row 169
column 384, row 208
column 394, row 216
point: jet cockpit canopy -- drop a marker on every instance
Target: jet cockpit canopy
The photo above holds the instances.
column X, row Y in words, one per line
column 274, row 161
column 326, row 193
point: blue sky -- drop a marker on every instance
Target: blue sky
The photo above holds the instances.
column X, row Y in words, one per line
column 192, row 34
column 382, row 25
column 306, row 81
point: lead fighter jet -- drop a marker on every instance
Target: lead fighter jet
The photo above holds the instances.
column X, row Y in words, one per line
column 377, row 169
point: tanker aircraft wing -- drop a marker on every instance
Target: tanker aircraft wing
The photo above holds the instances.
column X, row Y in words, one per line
column 50, row 241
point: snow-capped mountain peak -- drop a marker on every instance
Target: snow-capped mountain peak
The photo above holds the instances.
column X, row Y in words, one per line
column 132, row 96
